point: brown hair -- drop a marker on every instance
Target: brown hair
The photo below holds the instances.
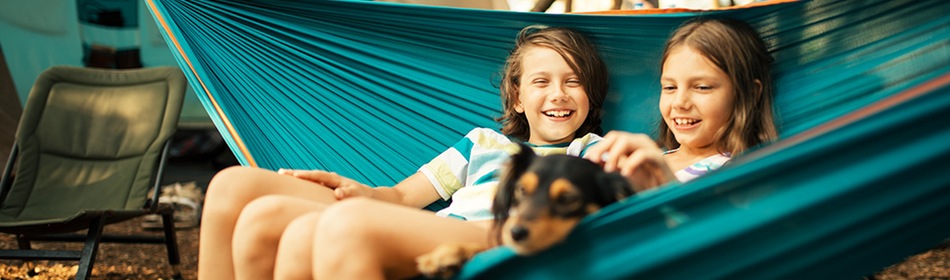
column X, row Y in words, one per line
column 582, row 57
column 736, row 48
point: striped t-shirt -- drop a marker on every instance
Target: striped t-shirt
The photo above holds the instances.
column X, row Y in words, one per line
column 701, row 167
column 466, row 172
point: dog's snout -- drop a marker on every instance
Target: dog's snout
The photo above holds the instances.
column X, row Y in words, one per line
column 519, row 233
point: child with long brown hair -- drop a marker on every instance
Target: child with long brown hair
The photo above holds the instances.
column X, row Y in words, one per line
column 715, row 102
column 321, row 224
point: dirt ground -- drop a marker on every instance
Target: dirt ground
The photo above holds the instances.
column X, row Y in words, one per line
column 114, row 261
column 148, row 261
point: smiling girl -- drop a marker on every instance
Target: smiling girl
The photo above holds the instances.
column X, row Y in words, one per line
column 715, row 102
column 260, row 224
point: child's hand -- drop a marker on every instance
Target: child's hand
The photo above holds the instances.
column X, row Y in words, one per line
column 342, row 187
column 634, row 156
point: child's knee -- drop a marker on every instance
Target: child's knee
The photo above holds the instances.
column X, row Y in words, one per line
column 349, row 218
column 224, row 179
column 302, row 228
column 259, row 227
column 231, row 187
column 269, row 212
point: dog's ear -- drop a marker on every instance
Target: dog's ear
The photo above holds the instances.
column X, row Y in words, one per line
column 517, row 165
column 614, row 185
column 519, row 162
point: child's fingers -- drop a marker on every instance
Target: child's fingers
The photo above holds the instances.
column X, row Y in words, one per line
column 630, row 164
column 329, row 179
column 639, row 169
column 348, row 191
column 613, row 159
column 595, row 156
column 340, row 193
column 596, row 152
column 648, row 169
column 345, row 192
column 622, row 148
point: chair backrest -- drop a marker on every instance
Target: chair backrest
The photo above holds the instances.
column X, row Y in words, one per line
column 89, row 139
column 10, row 110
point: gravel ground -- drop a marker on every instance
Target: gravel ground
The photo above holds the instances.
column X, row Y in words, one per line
column 148, row 261
column 114, row 261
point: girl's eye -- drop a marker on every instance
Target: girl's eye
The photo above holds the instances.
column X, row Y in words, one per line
column 704, row 88
column 574, row 82
column 668, row 88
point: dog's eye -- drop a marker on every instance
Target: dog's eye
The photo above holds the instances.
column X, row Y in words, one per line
column 568, row 199
column 568, row 204
column 517, row 196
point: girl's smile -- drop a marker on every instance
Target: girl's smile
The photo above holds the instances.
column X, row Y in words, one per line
column 685, row 123
column 696, row 100
column 551, row 96
column 558, row 114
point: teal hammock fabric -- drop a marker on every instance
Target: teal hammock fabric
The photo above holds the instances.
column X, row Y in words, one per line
column 373, row 90
column 838, row 205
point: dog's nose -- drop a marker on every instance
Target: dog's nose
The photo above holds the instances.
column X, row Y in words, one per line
column 519, row 233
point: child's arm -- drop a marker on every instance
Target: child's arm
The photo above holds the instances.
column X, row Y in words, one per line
column 415, row 191
column 635, row 156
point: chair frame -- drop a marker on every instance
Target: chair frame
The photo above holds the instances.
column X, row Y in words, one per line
column 94, row 236
column 93, row 222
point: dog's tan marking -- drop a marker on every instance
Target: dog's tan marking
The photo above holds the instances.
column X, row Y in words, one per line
column 545, row 232
column 561, row 187
column 592, row 207
column 529, row 182
column 560, row 191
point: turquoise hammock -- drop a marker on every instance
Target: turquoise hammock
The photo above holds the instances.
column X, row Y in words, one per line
column 373, row 90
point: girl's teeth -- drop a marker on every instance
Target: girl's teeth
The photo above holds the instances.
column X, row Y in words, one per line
column 684, row 121
column 557, row 113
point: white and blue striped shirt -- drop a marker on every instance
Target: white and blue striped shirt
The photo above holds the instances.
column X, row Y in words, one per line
column 466, row 172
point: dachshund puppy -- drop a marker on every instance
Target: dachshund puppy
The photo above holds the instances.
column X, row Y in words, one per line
column 539, row 201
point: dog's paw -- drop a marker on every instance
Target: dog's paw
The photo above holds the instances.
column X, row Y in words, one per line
column 446, row 260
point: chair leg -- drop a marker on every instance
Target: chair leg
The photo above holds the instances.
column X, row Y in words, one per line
column 90, row 249
column 23, row 242
column 171, row 241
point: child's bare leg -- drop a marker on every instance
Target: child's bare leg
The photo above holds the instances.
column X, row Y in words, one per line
column 294, row 253
column 230, row 190
column 364, row 239
column 259, row 229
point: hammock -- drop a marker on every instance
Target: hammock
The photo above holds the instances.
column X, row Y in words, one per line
column 838, row 205
column 373, row 90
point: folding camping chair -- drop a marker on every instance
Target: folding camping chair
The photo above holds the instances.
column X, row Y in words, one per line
column 90, row 151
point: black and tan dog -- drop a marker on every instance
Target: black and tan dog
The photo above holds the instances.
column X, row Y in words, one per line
column 539, row 201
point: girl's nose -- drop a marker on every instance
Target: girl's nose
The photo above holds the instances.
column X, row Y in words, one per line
column 681, row 100
column 558, row 94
